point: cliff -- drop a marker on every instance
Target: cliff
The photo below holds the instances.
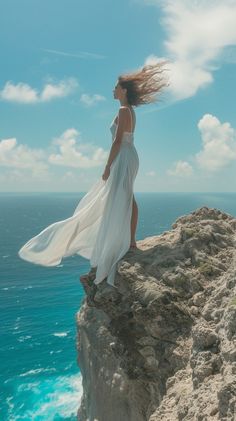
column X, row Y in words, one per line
column 162, row 345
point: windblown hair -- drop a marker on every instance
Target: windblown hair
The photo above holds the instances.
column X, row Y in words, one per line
column 142, row 85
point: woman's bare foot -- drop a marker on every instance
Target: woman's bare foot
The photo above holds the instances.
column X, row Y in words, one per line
column 133, row 245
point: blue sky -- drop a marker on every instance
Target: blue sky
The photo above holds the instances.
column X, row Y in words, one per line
column 59, row 64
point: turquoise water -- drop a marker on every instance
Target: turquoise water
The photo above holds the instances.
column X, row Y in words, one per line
column 39, row 375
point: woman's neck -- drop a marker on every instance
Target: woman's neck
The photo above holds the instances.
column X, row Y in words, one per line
column 124, row 103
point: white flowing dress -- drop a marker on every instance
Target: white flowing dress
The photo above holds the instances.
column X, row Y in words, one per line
column 100, row 227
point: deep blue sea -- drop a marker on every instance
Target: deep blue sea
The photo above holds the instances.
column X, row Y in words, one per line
column 39, row 374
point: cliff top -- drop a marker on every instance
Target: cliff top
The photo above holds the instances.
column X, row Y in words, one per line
column 168, row 332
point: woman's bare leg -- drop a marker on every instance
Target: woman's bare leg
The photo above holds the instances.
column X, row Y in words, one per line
column 134, row 220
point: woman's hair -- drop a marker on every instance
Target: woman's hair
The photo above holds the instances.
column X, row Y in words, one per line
column 142, row 84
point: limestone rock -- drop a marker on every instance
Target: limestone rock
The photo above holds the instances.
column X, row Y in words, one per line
column 162, row 346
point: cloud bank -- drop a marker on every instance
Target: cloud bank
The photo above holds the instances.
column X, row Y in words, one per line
column 25, row 94
column 197, row 33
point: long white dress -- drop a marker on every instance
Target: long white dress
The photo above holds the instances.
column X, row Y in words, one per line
column 99, row 228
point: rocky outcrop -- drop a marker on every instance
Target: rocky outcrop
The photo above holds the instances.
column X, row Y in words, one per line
column 162, row 346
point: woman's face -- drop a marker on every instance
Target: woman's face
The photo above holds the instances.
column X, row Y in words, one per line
column 119, row 92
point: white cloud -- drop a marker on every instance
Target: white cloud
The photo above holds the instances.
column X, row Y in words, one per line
column 218, row 143
column 218, row 148
column 72, row 154
column 24, row 93
column 197, row 33
column 19, row 93
column 181, row 169
column 91, row 99
column 59, row 90
column 21, row 162
column 22, row 157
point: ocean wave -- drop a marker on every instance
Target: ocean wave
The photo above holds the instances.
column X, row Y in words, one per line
column 61, row 334
column 37, row 371
column 23, row 338
column 47, row 398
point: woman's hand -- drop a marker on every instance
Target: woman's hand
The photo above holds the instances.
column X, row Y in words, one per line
column 106, row 173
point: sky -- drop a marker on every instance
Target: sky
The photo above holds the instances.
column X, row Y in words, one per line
column 60, row 61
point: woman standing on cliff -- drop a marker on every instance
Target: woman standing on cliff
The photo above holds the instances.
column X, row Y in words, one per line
column 103, row 225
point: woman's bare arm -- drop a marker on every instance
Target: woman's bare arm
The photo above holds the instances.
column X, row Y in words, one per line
column 122, row 124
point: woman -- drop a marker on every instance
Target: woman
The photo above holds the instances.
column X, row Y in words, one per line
column 103, row 225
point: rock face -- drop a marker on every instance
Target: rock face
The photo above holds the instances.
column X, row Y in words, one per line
column 162, row 346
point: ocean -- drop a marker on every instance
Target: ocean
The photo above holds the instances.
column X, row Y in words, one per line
column 39, row 375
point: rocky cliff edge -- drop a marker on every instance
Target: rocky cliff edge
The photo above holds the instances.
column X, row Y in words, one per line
column 162, row 346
